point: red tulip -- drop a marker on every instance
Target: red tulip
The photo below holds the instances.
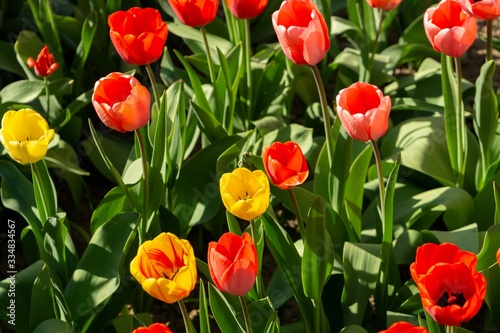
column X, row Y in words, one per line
column 44, row 64
column 138, row 35
column 449, row 29
column 301, row 31
column 481, row 9
column 195, row 13
column 233, row 263
column 121, row 102
column 246, row 9
column 384, row 4
column 364, row 111
column 153, row 328
column 431, row 254
column 285, row 164
column 452, row 293
column 498, row 256
column 404, row 327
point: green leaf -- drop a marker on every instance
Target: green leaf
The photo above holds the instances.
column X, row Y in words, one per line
column 113, row 203
column 127, row 323
column 64, row 158
column 261, row 311
column 204, row 316
column 95, row 280
column 353, row 329
column 42, row 297
column 20, row 92
column 178, row 137
column 45, row 191
column 8, row 61
column 224, row 312
column 194, row 39
column 54, row 325
column 492, row 276
column 208, row 124
column 491, row 244
column 89, row 29
column 465, row 238
column 496, row 192
column 317, row 260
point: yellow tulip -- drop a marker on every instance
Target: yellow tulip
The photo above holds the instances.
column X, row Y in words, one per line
column 165, row 267
column 25, row 135
column 245, row 193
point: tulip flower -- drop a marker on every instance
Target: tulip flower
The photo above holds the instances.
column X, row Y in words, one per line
column 138, row 35
column 384, row 4
column 121, row 102
column 195, row 13
column 498, row 256
column 245, row 193
column 246, row 9
column 431, row 254
column 153, row 328
column 301, row 31
column 25, row 135
column 233, row 263
column 45, row 64
column 481, row 9
column 452, row 293
column 404, row 327
column 449, row 29
column 285, row 164
column 165, row 267
column 364, row 111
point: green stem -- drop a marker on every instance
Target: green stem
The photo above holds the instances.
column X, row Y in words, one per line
column 489, row 40
column 326, row 114
column 145, row 203
column 153, row 84
column 185, row 315
column 48, row 96
column 451, row 329
column 248, row 64
column 460, row 125
column 211, row 69
column 259, row 284
column 302, row 229
column 110, row 165
column 380, row 173
column 246, row 314
column 374, row 47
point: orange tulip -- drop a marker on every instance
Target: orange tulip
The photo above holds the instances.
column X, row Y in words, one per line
column 384, row 4
column 195, row 13
column 121, row 102
column 153, row 328
column 364, row 111
column 481, row 9
column 165, row 267
column 449, row 29
column 404, row 327
column 246, row 9
column 285, row 164
column 44, row 64
column 498, row 256
column 233, row 263
column 301, row 31
column 138, row 35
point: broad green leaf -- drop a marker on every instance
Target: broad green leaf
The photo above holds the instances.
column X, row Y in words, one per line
column 64, row 158
column 54, row 325
column 178, row 136
column 127, row 323
column 491, row 244
column 45, row 191
column 224, row 312
column 42, row 299
column 208, row 124
column 27, row 45
column 8, row 61
column 95, row 280
column 89, row 29
column 353, row 329
column 496, row 192
column 317, row 260
column 465, row 238
column 113, row 203
column 492, row 276
column 278, row 291
column 21, row 91
column 261, row 311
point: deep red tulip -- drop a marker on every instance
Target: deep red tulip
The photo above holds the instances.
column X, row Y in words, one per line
column 452, row 293
column 404, row 327
column 153, row 328
column 233, row 263
column 301, row 31
column 138, row 34
column 481, row 9
column 246, row 9
column 44, row 64
column 431, row 254
column 121, row 102
column 449, row 29
column 285, row 164
column 195, row 13
column 364, row 111
column 384, row 4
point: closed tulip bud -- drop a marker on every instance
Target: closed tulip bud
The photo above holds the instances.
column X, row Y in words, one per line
column 449, row 29
column 165, row 267
column 301, row 31
column 138, row 34
column 233, row 263
column 195, row 13
column 246, row 9
column 153, row 328
column 384, row 4
column 363, row 111
column 245, row 193
column 121, row 102
column 45, row 64
column 285, row 164
column 481, row 9
column 404, row 327
column 25, row 135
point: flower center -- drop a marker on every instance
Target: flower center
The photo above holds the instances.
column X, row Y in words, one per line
column 451, row 299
